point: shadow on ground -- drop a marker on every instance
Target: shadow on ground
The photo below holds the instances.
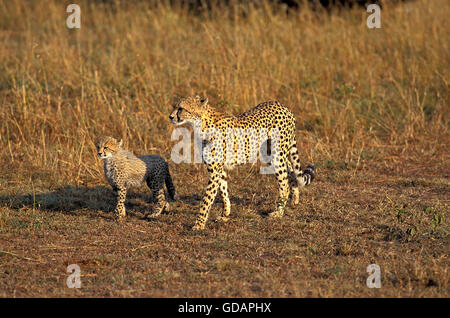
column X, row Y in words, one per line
column 73, row 200
column 100, row 201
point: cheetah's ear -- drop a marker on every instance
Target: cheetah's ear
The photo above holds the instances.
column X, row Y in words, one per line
column 120, row 142
column 204, row 101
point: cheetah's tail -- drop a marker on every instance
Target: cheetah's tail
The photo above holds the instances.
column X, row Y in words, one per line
column 306, row 176
column 170, row 187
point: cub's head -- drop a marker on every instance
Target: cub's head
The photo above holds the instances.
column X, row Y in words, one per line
column 188, row 110
column 107, row 147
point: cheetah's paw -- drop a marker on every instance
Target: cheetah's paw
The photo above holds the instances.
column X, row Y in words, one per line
column 222, row 219
column 198, row 227
column 275, row 214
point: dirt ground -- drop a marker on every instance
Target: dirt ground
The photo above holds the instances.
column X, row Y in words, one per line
column 347, row 220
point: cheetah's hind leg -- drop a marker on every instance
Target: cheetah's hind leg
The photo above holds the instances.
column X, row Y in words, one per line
column 293, row 186
column 297, row 177
column 283, row 187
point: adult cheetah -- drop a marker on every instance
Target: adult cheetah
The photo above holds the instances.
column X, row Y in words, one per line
column 243, row 135
column 124, row 170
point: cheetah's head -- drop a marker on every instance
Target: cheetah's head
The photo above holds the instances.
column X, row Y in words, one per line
column 188, row 110
column 107, row 147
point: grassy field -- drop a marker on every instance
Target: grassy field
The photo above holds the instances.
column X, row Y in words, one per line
column 372, row 109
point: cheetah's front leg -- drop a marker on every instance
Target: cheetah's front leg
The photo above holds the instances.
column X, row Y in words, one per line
column 223, row 185
column 208, row 199
column 120, row 207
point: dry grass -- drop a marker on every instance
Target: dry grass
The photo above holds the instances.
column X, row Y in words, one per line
column 372, row 113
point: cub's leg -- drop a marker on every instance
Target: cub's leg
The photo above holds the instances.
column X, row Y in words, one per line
column 283, row 185
column 156, row 184
column 223, row 186
column 170, row 187
column 161, row 203
column 215, row 175
column 120, row 206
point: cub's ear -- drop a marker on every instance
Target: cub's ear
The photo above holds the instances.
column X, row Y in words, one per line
column 204, row 101
column 120, row 142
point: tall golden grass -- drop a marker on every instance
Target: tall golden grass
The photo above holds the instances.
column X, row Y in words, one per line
column 360, row 95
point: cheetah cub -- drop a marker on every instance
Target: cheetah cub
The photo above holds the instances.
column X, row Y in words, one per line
column 124, row 170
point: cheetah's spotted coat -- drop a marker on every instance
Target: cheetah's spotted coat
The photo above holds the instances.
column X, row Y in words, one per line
column 271, row 116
